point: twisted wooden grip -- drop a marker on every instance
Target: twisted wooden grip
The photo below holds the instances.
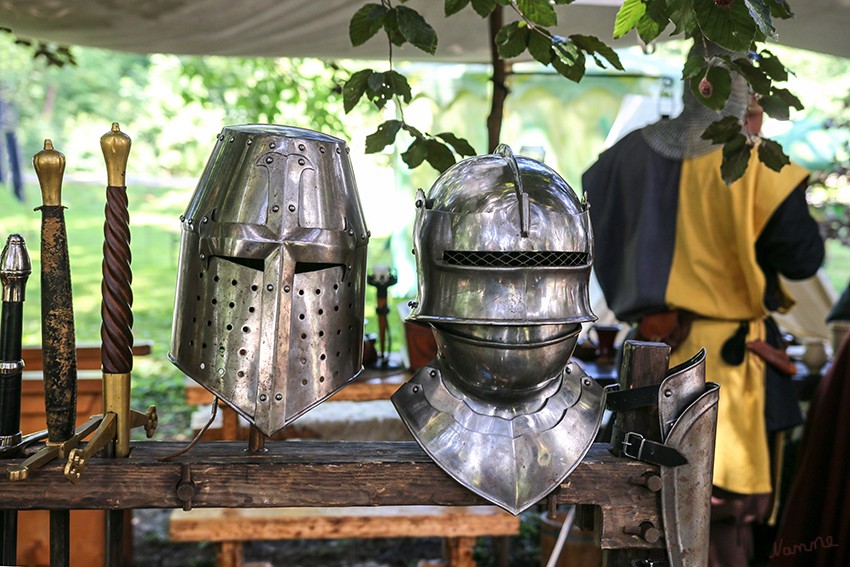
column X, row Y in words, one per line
column 116, row 309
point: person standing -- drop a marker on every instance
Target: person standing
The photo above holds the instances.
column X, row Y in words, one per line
column 695, row 263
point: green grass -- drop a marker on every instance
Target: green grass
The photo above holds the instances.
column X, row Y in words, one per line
column 154, row 225
column 155, row 233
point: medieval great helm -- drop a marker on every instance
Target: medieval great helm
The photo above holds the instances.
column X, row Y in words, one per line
column 504, row 250
column 269, row 308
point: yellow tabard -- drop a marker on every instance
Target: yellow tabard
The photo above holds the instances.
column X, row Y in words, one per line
column 714, row 274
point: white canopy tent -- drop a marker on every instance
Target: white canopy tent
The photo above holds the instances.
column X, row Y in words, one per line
column 311, row 28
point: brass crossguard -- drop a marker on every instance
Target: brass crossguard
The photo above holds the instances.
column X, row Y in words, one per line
column 104, row 431
column 107, row 429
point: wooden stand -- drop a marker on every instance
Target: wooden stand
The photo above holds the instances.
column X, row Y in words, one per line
column 292, row 474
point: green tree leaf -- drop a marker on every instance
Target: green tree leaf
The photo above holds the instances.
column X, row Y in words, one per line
column 591, row 45
column 365, row 23
column 416, row 30
column 730, row 27
column 736, row 157
column 455, row 6
column 775, row 107
column 771, row 154
column 721, row 87
column 354, row 88
column 398, row 84
column 693, row 67
column 772, row 66
column 512, row 39
column 415, row 153
column 780, row 9
column 760, row 13
column 757, row 79
column 683, row 17
column 723, row 130
column 540, row 12
column 460, row 145
column 628, row 17
column 569, row 61
column 383, row 136
column 391, row 27
column 788, row 97
column 484, row 7
column 439, row 156
column 654, row 21
column 375, row 81
column 572, row 70
column 540, row 47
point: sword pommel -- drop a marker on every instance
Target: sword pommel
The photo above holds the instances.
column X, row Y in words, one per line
column 15, row 268
column 49, row 166
column 116, row 149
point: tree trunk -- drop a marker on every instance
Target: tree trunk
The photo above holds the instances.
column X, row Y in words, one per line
column 500, row 91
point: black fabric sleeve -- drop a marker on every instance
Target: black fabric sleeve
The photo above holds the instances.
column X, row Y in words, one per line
column 790, row 244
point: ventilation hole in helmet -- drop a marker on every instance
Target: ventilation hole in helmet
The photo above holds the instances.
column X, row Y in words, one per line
column 337, row 354
column 351, row 306
column 233, row 282
column 251, row 310
column 301, row 316
column 515, row 259
column 300, row 292
column 214, row 301
column 194, row 319
column 336, row 307
column 318, row 292
column 303, row 361
column 321, row 333
column 209, row 323
column 321, row 378
column 338, row 331
column 215, row 279
column 229, row 327
column 191, row 343
column 254, row 288
column 221, row 371
column 231, row 305
column 322, row 357
column 203, row 345
column 203, row 366
column 241, row 373
column 221, row 349
column 201, row 275
column 336, row 372
column 303, row 335
column 321, row 311
column 336, row 287
column 246, row 330
column 243, row 352
column 198, row 298
column 304, row 382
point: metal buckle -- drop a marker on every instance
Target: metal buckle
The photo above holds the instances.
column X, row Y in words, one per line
column 633, row 439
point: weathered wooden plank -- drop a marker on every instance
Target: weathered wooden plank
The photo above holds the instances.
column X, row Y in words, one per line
column 312, row 473
column 227, row 524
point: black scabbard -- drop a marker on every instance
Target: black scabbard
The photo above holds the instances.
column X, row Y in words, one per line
column 57, row 331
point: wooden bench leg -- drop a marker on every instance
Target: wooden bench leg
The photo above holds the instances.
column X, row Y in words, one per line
column 229, row 553
column 458, row 551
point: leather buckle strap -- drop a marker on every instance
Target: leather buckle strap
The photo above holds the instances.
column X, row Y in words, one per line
column 623, row 400
column 637, row 447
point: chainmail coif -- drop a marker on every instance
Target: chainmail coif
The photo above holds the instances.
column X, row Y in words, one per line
column 679, row 138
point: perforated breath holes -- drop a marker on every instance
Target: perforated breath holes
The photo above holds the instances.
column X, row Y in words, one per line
column 321, row 311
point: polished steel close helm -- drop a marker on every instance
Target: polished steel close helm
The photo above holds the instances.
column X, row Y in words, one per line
column 504, row 250
column 270, row 289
